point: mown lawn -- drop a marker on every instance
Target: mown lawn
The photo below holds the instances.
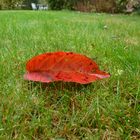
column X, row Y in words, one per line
column 107, row 109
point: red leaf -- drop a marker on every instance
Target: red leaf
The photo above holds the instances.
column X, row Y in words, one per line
column 63, row 66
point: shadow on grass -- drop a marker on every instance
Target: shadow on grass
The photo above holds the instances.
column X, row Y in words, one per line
column 58, row 86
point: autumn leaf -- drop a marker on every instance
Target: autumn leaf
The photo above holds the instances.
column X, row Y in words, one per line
column 63, row 66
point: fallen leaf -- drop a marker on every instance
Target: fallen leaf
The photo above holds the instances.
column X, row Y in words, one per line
column 63, row 66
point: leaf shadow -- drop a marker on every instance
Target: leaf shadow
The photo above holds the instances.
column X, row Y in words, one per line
column 58, row 86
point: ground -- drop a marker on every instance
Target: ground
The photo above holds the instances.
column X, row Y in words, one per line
column 106, row 109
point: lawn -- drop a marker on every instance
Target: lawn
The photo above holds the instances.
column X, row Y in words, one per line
column 106, row 109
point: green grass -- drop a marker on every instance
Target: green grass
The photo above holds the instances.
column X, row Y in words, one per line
column 107, row 109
